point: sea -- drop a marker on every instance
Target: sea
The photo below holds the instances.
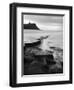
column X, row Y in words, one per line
column 55, row 38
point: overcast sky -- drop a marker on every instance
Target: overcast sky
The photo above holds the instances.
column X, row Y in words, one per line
column 44, row 22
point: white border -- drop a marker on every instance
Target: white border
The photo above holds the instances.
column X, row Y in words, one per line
column 49, row 77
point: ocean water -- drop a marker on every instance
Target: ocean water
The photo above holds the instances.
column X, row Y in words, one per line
column 55, row 38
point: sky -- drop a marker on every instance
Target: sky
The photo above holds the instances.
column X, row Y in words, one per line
column 45, row 22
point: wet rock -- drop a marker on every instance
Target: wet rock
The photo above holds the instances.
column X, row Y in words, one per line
column 37, row 61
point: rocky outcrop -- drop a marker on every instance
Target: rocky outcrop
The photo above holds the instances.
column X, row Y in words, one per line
column 31, row 26
column 37, row 61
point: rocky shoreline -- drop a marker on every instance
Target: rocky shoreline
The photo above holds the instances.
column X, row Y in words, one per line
column 37, row 61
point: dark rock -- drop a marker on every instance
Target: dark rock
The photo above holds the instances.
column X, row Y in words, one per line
column 34, row 44
column 31, row 26
column 37, row 61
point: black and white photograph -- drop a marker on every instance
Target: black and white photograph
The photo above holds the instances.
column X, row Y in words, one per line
column 42, row 44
